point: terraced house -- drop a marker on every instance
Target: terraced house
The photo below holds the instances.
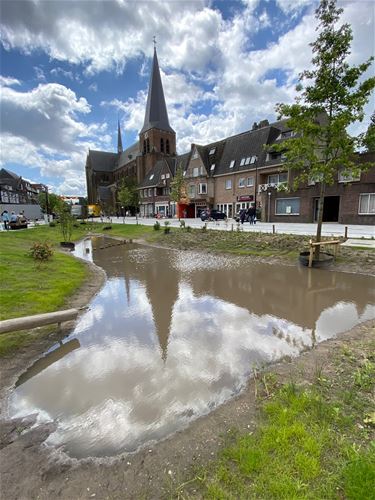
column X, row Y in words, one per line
column 228, row 175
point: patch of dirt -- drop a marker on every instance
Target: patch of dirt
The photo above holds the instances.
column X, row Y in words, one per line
column 31, row 470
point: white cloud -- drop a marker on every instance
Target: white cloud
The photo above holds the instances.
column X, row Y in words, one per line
column 8, row 81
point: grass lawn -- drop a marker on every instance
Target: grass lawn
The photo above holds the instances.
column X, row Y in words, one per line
column 310, row 443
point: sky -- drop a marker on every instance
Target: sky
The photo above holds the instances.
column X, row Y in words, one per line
column 70, row 69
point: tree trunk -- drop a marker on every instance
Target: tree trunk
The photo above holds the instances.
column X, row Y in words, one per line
column 320, row 219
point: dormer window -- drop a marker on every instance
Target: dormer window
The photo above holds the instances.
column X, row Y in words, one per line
column 212, row 167
column 242, row 162
column 151, row 177
column 212, row 151
column 247, row 160
column 232, row 163
column 253, row 159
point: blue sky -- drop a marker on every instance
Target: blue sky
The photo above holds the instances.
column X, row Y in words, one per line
column 70, row 68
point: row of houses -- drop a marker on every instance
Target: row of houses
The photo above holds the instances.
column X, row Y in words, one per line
column 227, row 175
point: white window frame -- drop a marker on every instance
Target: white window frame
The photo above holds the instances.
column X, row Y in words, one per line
column 242, row 162
column 232, row 163
column 201, row 184
column 253, row 159
column 212, row 151
column 251, row 183
column 167, row 176
column 247, row 160
column 212, row 167
column 228, row 183
column 283, row 199
column 241, row 182
column 151, row 177
column 196, row 172
column 368, row 204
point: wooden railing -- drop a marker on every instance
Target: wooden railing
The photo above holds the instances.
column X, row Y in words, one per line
column 335, row 244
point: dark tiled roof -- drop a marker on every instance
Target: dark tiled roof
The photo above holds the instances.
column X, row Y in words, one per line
column 241, row 146
column 156, row 115
column 182, row 161
column 128, row 155
column 155, row 174
column 101, row 161
column 7, row 174
column 211, row 159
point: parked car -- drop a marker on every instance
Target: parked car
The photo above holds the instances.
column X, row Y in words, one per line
column 212, row 215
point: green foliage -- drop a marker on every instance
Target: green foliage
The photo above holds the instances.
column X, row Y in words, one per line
column 157, row 226
column 359, row 476
column 204, row 228
column 41, row 251
column 67, row 223
column 128, row 195
column 369, row 136
column 167, row 229
column 182, row 224
column 55, row 203
column 52, row 224
column 332, row 99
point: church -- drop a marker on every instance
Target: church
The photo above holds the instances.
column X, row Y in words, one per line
column 229, row 175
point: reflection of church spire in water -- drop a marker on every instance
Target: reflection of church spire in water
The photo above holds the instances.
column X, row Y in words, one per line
column 162, row 290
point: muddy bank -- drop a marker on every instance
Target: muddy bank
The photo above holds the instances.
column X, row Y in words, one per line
column 29, row 470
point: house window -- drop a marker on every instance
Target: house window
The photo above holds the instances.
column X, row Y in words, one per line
column 242, row 162
column 191, row 191
column 151, row 177
column 232, row 163
column 250, row 181
column 212, row 151
column 212, row 167
column 162, row 176
column 145, row 193
column 278, row 178
column 366, row 204
column 287, row 206
column 253, row 159
column 162, row 145
column 167, row 176
column 348, row 177
column 195, row 172
column 202, row 188
column 241, row 182
column 228, row 184
column 195, row 154
column 167, row 146
column 150, row 192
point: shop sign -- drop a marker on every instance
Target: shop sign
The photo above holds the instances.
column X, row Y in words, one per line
column 249, row 197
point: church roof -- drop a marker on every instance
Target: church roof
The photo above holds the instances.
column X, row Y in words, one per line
column 153, row 177
column 128, row 155
column 101, row 161
column 156, row 115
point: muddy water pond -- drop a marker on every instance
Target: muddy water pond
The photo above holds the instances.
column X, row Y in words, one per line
column 171, row 336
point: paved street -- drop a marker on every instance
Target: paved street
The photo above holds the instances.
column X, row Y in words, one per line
column 329, row 228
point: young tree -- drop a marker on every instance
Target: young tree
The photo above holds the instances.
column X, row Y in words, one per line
column 55, row 203
column 128, row 195
column 178, row 188
column 333, row 98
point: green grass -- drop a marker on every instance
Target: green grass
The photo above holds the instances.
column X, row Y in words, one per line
column 309, row 444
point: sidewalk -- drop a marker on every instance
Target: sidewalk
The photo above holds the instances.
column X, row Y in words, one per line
column 329, row 228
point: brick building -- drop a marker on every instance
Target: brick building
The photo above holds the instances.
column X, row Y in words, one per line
column 228, row 175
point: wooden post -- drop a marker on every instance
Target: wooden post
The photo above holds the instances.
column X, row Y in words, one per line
column 346, row 232
column 311, row 254
column 273, row 229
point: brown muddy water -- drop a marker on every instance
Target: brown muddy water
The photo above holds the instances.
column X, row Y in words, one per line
column 171, row 336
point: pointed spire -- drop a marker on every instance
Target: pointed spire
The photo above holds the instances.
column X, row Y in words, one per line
column 119, row 140
column 156, row 111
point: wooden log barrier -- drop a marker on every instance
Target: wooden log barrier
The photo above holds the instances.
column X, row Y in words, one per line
column 29, row 322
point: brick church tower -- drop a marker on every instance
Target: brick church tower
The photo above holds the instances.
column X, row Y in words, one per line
column 157, row 139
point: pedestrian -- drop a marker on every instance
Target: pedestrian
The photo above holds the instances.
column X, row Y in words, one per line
column 252, row 213
column 242, row 216
column 13, row 217
column 5, row 219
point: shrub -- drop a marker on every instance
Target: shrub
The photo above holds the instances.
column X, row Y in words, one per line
column 204, row 228
column 157, row 226
column 188, row 229
column 41, row 251
column 106, row 228
column 182, row 224
column 52, row 224
column 167, row 229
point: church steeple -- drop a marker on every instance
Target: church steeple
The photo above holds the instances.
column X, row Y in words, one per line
column 156, row 115
column 119, row 140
